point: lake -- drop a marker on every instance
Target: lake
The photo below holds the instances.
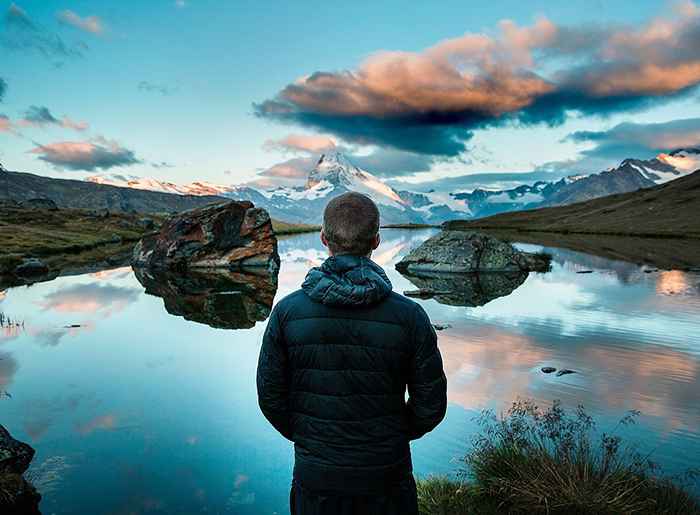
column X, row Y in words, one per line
column 136, row 410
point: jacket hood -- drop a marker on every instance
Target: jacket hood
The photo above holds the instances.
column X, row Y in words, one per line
column 347, row 280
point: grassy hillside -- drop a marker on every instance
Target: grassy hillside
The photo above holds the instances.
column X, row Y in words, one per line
column 65, row 237
column 671, row 210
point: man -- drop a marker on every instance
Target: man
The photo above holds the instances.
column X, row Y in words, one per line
column 337, row 358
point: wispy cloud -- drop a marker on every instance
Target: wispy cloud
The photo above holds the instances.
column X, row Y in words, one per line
column 5, row 123
column 180, row 4
column 641, row 137
column 431, row 101
column 96, row 154
column 40, row 116
column 303, row 143
column 151, row 87
column 92, row 24
column 20, row 33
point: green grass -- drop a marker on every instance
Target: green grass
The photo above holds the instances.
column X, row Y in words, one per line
column 282, row 228
column 552, row 461
column 64, row 237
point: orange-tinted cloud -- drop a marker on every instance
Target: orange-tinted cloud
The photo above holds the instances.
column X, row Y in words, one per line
column 92, row 24
column 431, row 101
column 86, row 155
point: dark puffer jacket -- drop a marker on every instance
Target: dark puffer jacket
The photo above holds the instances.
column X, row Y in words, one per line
column 336, row 361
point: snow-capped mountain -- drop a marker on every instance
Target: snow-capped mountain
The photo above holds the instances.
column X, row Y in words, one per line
column 630, row 175
column 335, row 174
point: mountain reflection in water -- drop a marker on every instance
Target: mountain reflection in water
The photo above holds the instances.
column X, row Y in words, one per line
column 222, row 299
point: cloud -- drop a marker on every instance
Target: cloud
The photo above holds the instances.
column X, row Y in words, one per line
column 641, row 137
column 20, row 33
column 90, row 298
column 304, row 143
column 180, row 4
column 292, row 172
column 151, row 87
column 86, row 155
column 92, row 24
column 5, row 124
column 40, row 116
column 432, row 101
column 393, row 163
column 625, row 140
column 3, row 88
column 493, row 180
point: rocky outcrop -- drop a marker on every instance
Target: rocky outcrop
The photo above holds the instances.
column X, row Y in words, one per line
column 222, row 299
column 467, row 252
column 15, row 456
column 17, row 495
column 230, row 235
column 475, row 289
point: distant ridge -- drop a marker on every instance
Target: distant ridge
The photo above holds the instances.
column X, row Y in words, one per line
column 70, row 193
column 671, row 209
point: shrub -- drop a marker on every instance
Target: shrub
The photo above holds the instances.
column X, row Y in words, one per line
column 551, row 461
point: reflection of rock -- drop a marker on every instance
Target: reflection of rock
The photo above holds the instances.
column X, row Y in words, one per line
column 219, row 298
column 224, row 235
column 463, row 252
column 467, row 289
column 16, row 494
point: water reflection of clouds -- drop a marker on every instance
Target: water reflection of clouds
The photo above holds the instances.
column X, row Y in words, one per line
column 101, row 422
column 105, row 299
column 491, row 366
column 577, row 305
column 8, row 369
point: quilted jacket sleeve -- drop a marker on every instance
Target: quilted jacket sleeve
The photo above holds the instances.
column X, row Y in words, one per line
column 273, row 377
column 427, row 385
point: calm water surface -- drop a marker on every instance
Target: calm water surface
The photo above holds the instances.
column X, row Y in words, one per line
column 141, row 411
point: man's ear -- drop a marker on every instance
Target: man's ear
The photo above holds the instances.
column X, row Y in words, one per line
column 323, row 239
column 375, row 243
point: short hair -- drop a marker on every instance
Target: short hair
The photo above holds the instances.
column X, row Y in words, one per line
column 350, row 224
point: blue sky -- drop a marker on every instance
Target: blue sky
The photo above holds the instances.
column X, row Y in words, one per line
column 190, row 90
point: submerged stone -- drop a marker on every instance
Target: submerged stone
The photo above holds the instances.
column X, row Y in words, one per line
column 548, row 370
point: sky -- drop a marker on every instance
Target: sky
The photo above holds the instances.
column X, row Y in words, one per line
column 449, row 92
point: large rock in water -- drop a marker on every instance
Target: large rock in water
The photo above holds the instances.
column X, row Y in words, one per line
column 467, row 252
column 223, row 235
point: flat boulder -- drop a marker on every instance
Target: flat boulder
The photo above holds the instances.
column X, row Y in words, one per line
column 468, row 252
column 229, row 235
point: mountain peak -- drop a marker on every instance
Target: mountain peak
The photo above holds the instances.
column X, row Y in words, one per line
column 334, row 168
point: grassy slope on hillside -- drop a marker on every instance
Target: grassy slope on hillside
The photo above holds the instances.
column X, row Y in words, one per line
column 63, row 235
column 668, row 210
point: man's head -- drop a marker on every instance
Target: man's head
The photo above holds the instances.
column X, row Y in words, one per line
column 351, row 225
